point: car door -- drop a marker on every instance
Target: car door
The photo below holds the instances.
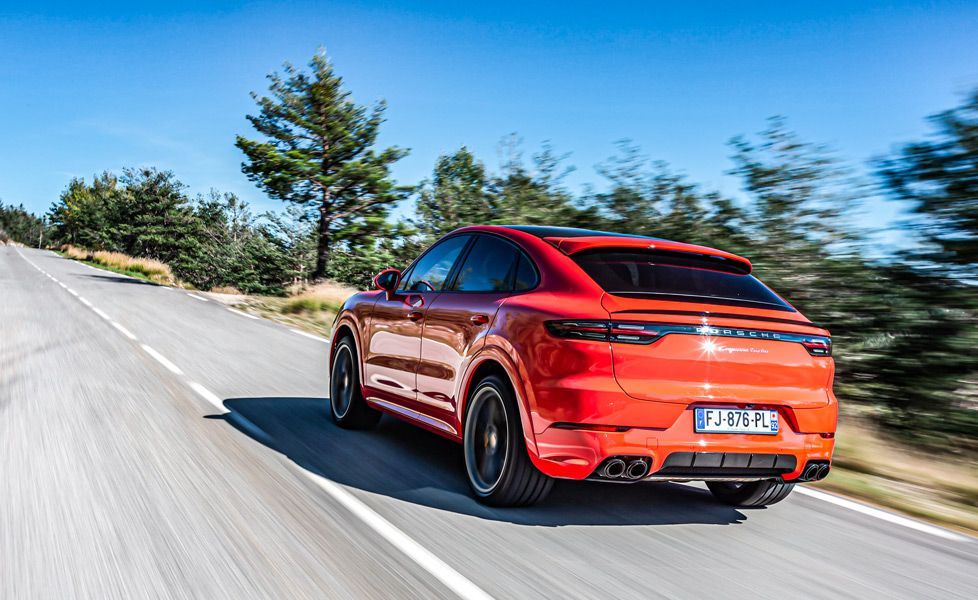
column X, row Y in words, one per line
column 456, row 321
column 393, row 346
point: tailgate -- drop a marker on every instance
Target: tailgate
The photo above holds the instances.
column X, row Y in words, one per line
column 743, row 356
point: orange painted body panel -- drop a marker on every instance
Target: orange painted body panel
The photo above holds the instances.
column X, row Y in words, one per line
column 422, row 370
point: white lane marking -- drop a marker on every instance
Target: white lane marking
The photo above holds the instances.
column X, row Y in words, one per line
column 123, row 330
column 880, row 514
column 243, row 314
column 101, row 313
column 85, row 301
column 308, row 335
column 206, row 394
column 73, row 293
column 454, row 580
column 196, row 297
column 162, row 360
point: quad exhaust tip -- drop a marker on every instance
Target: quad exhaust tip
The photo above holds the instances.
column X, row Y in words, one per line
column 636, row 469
column 631, row 469
column 613, row 469
column 815, row 471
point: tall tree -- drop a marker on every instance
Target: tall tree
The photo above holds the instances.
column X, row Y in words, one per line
column 18, row 225
column 154, row 216
column 318, row 152
column 533, row 194
column 939, row 177
column 456, row 195
column 650, row 199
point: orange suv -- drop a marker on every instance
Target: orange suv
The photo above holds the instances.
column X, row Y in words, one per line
column 551, row 352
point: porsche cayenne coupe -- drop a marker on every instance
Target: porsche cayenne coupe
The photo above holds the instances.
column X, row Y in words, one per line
column 552, row 352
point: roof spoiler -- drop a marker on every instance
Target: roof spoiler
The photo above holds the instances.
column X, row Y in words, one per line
column 573, row 245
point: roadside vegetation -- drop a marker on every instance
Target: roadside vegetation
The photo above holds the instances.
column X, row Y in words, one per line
column 871, row 465
column 904, row 323
column 311, row 308
column 148, row 269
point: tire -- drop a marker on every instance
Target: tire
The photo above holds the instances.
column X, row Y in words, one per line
column 497, row 464
column 346, row 403
column 750, row 494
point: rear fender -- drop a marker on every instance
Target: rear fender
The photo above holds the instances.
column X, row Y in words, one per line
column 516, row 378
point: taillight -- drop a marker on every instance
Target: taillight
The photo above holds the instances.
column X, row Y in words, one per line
column 583, row 330
column 818, row 346
column 607, row 331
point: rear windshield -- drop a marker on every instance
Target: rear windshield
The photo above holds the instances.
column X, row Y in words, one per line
column 676, row 276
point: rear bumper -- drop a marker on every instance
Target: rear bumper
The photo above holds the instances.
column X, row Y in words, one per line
column 577, row 453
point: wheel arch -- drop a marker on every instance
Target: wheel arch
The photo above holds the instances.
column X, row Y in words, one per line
column 488, row 363
column 346, row 328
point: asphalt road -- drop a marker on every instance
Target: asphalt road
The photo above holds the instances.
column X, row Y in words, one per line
column 154, row 444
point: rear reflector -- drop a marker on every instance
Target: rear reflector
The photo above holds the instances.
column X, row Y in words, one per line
column 590, row 427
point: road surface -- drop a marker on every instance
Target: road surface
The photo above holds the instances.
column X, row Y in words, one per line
column 157, row 444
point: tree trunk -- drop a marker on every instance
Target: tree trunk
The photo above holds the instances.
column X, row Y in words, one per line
column 322, row 248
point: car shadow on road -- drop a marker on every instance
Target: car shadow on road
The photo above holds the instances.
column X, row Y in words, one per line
column 122, row 279
column 401, row 461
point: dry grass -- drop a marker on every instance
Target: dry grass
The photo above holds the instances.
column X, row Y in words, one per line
column 144, row 268
column 74, row 252
column 310, row 308
column 942, row 489
column 326, row 296
column 229, row 290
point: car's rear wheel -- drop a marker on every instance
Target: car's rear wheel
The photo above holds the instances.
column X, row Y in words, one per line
column 346, row 402
column 750, row 493
column 499, row 469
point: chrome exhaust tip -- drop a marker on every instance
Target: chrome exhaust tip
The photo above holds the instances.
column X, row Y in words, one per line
column 613, row 469
column 636, row 469
column 823, row 471
column 811, row 473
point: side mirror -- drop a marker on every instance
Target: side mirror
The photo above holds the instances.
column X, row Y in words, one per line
column 387, row 280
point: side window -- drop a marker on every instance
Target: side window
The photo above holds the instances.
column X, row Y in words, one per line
column 488, row 266
column 526, row 274
column 429, row 273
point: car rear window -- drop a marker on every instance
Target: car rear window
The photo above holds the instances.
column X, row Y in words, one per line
column 677, row 276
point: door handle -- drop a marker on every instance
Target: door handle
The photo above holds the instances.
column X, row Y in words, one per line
column 479, row 319
column 415, row 315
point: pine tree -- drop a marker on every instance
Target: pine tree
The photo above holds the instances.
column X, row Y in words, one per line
column 456, row 195
column 318, row 152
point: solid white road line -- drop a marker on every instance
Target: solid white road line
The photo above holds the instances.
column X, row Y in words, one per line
column 881, row 514
column 206, row 394
column 102, row 314
column 85, row 302
column 196, row 297
column 123, row 330
column 73, row 292
column 308, row 335
column 243, row 314
column 162, row 360
column 452, row 579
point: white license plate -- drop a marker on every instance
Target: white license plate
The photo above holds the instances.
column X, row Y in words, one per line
column 734, row 420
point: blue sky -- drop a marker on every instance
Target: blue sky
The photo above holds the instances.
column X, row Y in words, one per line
column 89, row 88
